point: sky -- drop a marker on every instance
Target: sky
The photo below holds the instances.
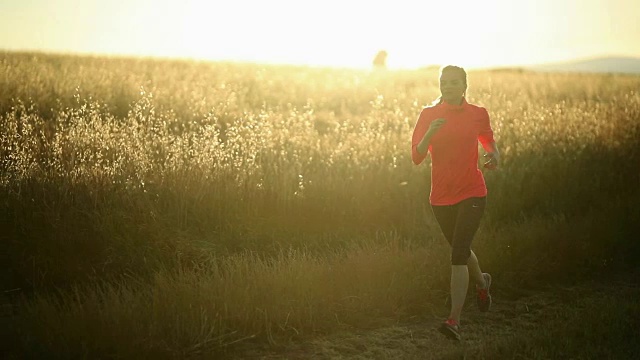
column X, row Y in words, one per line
column 343, row 33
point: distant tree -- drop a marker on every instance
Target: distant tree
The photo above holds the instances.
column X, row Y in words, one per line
column 380, row 61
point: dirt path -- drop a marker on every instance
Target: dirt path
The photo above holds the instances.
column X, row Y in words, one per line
column 519, row 322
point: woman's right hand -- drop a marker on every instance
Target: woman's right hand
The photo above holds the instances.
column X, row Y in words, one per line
column 435, row 126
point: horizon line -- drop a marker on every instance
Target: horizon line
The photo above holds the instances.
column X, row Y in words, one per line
column 577, row 59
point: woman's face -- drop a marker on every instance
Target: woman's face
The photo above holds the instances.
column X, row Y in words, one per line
column 452, row 86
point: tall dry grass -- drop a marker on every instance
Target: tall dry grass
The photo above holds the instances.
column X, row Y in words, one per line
column 179, row 208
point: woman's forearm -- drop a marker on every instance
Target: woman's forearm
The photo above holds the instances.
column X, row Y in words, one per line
column 423, row 146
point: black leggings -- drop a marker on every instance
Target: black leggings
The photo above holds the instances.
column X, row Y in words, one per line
column 459, row 223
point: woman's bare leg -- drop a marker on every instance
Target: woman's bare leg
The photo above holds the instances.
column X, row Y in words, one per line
column 475, row 274
column 459, row 286
column 460, row 275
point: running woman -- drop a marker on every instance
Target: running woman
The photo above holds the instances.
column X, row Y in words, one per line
column 450, row 130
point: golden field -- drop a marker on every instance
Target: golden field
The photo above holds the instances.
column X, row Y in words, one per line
column 171, row 209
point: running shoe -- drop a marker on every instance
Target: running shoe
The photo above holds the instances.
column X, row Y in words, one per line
column 483, row 298
column 450, row 329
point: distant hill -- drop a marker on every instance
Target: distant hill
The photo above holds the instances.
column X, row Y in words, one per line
column 625, row 65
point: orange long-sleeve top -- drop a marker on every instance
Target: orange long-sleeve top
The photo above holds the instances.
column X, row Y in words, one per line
column 455, row 175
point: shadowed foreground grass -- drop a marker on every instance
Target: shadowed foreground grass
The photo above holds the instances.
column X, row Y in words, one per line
column 227, row 304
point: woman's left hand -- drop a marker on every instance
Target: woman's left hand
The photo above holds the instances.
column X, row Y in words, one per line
column 493, row 158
